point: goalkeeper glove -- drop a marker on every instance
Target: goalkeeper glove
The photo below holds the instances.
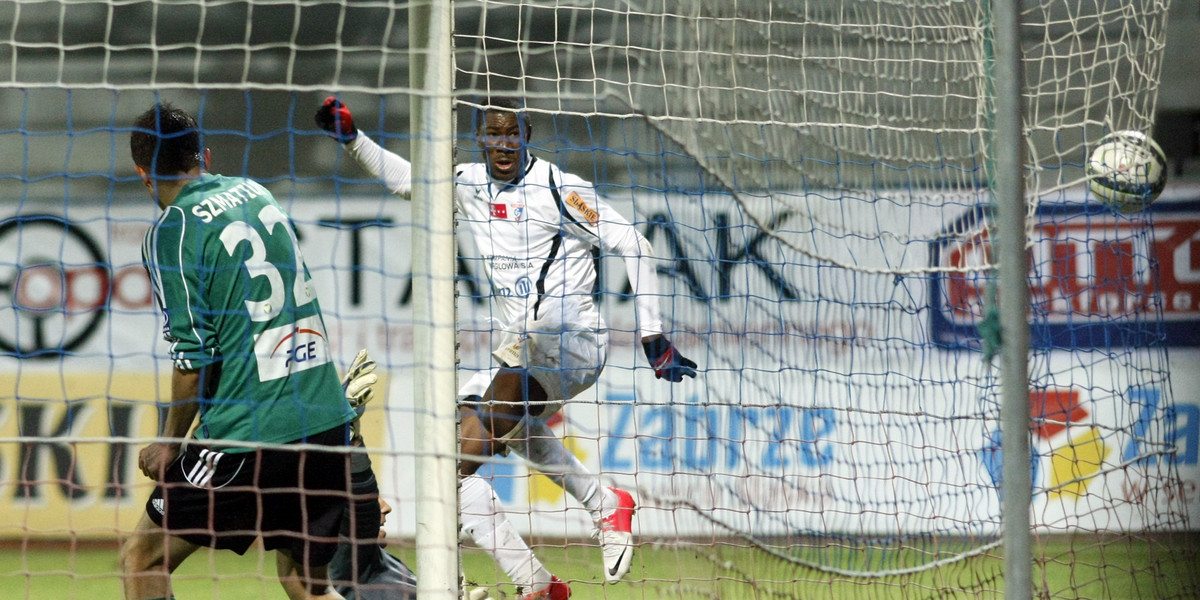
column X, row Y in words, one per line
column 472, row 593
column 479, row 593
column 335, row 117
column 358, row 385
column 668, row 363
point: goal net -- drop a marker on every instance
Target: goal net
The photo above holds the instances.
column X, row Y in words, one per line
column 814, row 179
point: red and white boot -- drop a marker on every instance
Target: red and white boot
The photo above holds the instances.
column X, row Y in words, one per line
column 615, row 533
column 557, row 590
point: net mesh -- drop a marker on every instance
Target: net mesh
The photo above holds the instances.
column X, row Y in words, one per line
column 813, row 177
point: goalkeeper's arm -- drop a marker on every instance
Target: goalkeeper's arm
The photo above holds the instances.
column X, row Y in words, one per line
column 392, row 169
column 358, row 384
column 383, row 574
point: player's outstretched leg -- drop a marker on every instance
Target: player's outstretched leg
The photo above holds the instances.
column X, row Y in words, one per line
column 493, row 533
column 611, row 508
column 615, row 533
column 557, row 590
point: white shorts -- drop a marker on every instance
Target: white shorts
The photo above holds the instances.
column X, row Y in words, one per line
column 565, row 364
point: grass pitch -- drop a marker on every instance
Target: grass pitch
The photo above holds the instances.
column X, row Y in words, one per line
column 1110, row 568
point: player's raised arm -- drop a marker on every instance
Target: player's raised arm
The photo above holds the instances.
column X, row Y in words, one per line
column 392, row 169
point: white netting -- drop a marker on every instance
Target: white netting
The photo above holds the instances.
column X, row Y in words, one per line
column 813, row 176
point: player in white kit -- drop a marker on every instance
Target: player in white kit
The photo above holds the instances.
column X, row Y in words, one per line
column 535, row 227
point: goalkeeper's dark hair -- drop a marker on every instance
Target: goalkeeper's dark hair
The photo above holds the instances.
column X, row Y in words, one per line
column 501, row 104
column 165, row 140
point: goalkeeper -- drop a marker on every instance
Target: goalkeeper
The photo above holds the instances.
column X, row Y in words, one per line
column 535, row 227
column 361, row 569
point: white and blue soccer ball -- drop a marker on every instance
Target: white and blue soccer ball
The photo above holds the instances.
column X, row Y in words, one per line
column 1127, row 170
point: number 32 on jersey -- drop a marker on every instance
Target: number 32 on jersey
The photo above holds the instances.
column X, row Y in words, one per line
column 279, row 351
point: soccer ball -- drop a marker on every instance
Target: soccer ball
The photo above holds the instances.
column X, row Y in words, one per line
column 1127, row 170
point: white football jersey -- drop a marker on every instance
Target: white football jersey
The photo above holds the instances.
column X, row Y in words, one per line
column 535, row 236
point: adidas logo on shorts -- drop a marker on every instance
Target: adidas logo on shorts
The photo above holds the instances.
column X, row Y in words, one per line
column 157, row 503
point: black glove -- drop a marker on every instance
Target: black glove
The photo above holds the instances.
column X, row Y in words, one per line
column 335, row 117
column 668, row 363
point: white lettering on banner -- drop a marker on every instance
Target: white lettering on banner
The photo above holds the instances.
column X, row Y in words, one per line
column 281, row 351
column 1187, row 259
column 1090, row 268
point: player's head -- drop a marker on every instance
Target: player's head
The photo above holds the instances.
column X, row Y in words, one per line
column 165, row 141
column 502, row 130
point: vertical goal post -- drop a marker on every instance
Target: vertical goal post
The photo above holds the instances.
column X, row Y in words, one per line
column 1012, row 272
column 433, row 251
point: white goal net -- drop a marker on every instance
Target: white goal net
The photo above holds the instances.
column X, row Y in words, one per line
column 814, row 179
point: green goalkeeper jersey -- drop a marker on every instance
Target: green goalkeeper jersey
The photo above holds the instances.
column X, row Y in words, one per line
column 236, row 299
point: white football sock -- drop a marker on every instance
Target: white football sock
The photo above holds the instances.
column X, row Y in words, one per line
column 543, row 448
column 493, row 532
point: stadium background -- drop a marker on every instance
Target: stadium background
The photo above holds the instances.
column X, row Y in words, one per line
column 62, row 147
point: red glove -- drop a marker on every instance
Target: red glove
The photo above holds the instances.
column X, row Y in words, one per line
column 335, row 117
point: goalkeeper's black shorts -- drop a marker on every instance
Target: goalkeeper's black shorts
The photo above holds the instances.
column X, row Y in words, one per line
column 293, row 498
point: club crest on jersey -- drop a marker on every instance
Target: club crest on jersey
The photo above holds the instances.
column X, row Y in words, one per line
column 515, row 212
column 589, row 213
column 300, row 346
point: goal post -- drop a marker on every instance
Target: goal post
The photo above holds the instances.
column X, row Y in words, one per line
column 433, row 251
column 1012, row 271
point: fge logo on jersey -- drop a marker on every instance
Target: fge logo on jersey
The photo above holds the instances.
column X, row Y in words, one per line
column 291, row 348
